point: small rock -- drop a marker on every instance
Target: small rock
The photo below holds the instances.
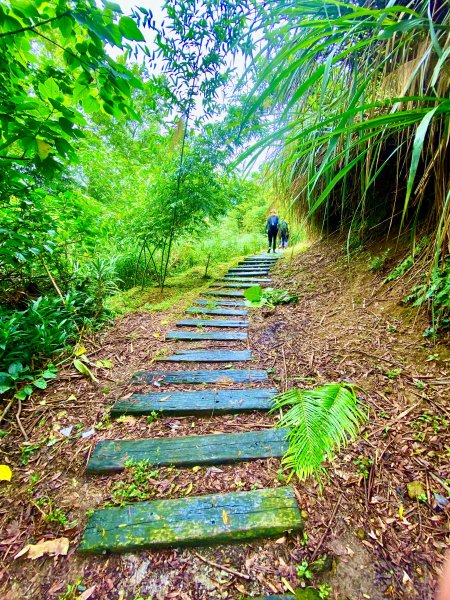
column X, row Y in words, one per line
column 441, row 501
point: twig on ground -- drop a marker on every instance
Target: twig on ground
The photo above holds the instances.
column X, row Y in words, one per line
column 19, row 422
column 222, row 567
column 325, row 533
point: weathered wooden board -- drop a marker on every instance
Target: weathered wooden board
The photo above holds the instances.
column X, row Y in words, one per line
column 211, row 323
column 244, row 279
column 226, row 285
column 203, row 376
column 110, row 456
column 247, row 273
column 209, row 356
column 196, row 403
column 218, row 336
column 218, row 518
column 221, row 302
column 224, row 293
column 217, row 311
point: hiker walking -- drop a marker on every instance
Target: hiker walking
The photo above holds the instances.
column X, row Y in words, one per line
column 272, row 226
column 284, row 233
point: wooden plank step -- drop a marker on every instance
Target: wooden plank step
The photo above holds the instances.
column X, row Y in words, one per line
column 196, row 403
column 208, row 356
column 202, row 376
column 210, row 323
column 110, row 456
column 243, row 285
column 224, row 294
column 252, row 280
column 217, row 311
column 220, row 302
column 255, row 261
column 246, row 272
column 217, row 518
column 218, row 336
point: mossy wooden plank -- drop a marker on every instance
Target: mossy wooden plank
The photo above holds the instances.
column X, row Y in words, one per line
column 196, row 403
column 218, row 336
column 201, row 520
column 220, row 302
column 244, row 279
column 217, row 311
column 208, row 356
column 211, row 323
column 246, row 272
column 201, row 376
column 110, row 456
column 224, row 293
column 223, row 284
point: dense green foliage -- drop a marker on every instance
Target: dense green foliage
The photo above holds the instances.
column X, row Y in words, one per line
column 103, row 184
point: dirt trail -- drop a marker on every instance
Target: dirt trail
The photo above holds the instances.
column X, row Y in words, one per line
column 344, row 327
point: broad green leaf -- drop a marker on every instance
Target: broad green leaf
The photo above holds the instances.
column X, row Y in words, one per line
column 104, row 363
column 40, row 383
column 90, row 104
column 43, row 149
column 84, row 370
column 130, row 30
column 254, row 293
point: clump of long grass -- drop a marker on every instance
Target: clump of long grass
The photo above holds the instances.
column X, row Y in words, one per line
column 359, row 112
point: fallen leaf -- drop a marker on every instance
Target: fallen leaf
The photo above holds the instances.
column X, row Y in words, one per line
column 84, row 370
column 87, row 593
column 195, row 469
column 188, row 489
column 415, row 490
column 5, row 473
column 225, row 517
column 156, row 335
column 127, row 419
column 79, row 350
column 224, row 380
column 104, row 364
column 72, row 397
column 66, row 431
column 56, row 547
column 165, row 322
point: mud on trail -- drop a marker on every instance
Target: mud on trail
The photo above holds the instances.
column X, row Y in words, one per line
column 346, row 326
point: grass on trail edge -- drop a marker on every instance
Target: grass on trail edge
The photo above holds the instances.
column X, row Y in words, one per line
column 180, row 288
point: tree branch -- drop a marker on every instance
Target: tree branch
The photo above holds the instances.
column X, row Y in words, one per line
column 31, row 27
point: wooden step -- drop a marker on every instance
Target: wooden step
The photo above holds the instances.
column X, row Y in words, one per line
column 221, row 302
column 217, row 336
column 203, row 376
column 252, row 280
column 210, row 323
column 235, row 272
column 209, row 356
column 196, row 403
column 223, row 284
column 217, row 311
column 217, row 518
column 110, row 456
column 224, row 293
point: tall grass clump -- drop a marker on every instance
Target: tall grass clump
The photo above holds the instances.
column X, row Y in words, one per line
column 357, row 97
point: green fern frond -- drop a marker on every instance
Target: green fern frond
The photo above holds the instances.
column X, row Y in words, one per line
column 319, row 421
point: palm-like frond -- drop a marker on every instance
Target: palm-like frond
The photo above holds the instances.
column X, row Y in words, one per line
column 319, row 421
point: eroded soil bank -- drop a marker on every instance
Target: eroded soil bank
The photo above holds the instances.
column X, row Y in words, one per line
column 347, row 326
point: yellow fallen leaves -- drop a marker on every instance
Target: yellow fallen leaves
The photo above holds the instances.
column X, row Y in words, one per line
column 56, row 547
column 225, row 517
column 5, row 473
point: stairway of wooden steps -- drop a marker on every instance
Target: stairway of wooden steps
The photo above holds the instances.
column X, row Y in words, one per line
column 196, row 403
column 218, row 518
column 110, row 456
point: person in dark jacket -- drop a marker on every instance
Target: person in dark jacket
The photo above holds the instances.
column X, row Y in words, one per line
column 284, row 233
column 272, row 227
